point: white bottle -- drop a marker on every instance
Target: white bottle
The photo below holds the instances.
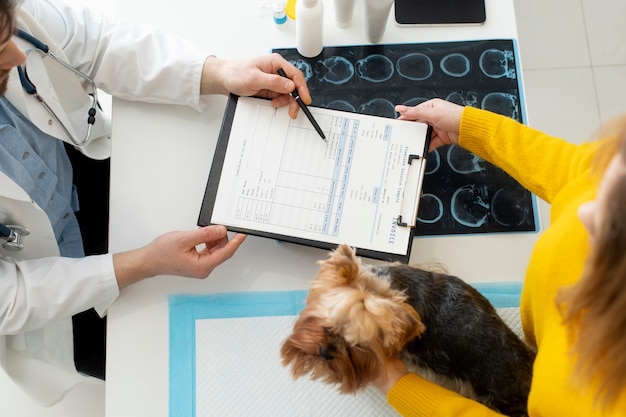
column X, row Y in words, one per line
column 309, row 27
column 344, row 9
column 376, row 15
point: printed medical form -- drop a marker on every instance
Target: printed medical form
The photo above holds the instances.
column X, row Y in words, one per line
column 279, row 177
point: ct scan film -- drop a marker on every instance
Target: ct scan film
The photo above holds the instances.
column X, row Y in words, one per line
column 462, row 193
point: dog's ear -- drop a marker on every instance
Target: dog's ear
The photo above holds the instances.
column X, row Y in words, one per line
column 393, row 321
column 342, row 267
column 306, row 349
column 307, row 335
column 316, row 351
column 408, row 325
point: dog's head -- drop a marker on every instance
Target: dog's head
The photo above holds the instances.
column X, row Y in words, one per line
column 352, row 321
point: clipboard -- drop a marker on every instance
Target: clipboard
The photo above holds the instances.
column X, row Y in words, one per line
column 274, row 177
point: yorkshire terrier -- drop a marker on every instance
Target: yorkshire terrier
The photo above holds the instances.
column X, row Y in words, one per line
column 357, row 315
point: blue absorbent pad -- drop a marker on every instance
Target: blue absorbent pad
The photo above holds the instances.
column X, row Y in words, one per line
column 224, row 357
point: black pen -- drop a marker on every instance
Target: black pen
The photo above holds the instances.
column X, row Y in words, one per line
column 303, row 106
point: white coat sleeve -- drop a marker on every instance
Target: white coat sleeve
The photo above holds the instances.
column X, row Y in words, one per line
column 36, row 292
column 127, row 60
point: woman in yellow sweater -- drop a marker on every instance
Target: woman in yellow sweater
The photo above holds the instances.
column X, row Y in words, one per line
column 580, row 369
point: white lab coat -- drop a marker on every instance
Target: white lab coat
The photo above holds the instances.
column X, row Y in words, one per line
column 39, row 291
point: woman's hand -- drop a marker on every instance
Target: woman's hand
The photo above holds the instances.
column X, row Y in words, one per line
column 394, row 370
column 443, row 116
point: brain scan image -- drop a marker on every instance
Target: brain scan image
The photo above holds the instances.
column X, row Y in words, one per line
column 305, row 67
column 509, row 206
column 461, row 192
column 415, row 101
column 430, row 209
column 470, row 206
column 375, row 68
column 463, row 98
column 342, row 105
column 495, row 63
column 455, row 65
column 415, row 66
column 378, row 107
column 464, row 162
column 433, row 162
column 335, row 70
column 501, row 103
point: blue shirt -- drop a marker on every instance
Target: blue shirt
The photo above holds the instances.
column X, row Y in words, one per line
column 38, row 163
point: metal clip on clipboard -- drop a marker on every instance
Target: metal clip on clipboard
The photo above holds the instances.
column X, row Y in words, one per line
column 412, row 191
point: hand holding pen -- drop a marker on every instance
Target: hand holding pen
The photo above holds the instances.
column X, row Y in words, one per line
column 303, row 106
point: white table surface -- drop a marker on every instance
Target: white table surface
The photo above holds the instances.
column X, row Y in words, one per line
column 160, row 163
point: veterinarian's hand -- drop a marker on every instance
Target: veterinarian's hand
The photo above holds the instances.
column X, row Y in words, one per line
column 443, row 116
column 256, row 77
column 394, row 370
column 193, row 253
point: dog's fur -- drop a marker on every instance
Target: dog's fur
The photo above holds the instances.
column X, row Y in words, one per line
column 356, row 316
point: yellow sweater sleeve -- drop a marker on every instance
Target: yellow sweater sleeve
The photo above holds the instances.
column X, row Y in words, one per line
column 543, row 164
column 558, row 172
column 414, row 396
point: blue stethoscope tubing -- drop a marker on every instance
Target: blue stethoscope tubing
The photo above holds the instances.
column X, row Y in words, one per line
column 4, row 231
column 12, row 234
column 31, row 89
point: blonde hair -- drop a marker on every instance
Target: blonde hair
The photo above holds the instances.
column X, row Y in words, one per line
column 594, row 309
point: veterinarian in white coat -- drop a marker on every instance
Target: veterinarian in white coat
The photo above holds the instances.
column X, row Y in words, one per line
column 38, row 297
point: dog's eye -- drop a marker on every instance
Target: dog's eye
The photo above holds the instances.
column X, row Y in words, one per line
column 324, row 353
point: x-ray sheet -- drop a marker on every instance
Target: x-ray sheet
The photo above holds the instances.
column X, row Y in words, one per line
column 225, row 358
column 462, row 193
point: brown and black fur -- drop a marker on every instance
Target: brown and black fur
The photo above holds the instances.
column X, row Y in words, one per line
column 465, row 338
column 443, row 328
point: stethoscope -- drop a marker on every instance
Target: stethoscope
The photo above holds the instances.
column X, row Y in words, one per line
column 30, row 88
column 12, row 236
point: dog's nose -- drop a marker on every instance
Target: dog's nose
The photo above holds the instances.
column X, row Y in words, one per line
column 324, row 353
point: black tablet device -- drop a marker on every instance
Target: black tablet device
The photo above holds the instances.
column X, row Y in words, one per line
column 439, row 12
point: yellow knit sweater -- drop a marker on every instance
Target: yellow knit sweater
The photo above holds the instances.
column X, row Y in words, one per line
column 558, row 172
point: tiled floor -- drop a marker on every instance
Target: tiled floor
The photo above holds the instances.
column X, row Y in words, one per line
column 574, row 63
column 573, row 56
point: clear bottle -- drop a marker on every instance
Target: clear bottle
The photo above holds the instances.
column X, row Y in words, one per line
column 309, row 27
